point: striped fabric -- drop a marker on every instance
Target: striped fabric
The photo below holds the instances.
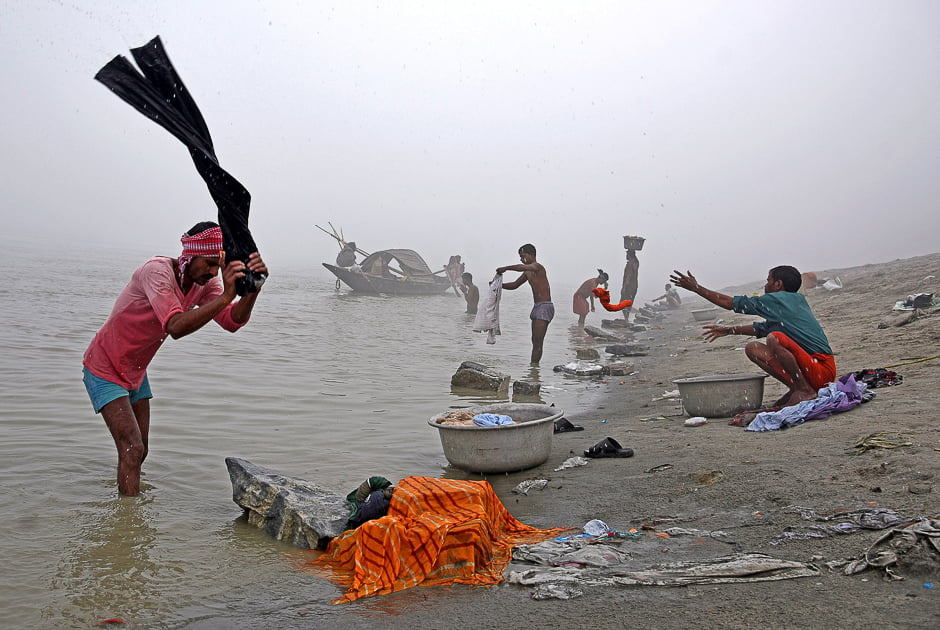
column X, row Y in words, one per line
column 205, row 243
column 437, row 532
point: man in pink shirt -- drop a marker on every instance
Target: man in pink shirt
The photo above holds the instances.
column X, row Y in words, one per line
column 159, row 301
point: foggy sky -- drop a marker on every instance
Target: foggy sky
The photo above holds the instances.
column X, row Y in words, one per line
column 734, row 136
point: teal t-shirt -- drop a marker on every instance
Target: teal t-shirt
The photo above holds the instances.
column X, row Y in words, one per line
column 788, row 313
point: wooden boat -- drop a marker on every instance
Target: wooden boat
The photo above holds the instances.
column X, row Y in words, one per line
column 392, row 271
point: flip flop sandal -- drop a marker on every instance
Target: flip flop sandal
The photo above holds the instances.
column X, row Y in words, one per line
column 608, row 447
column 563, row 425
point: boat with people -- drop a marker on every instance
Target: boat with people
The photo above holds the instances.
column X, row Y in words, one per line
column 390, row 271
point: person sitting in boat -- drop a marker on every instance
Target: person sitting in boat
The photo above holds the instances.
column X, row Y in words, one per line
column 347, row 256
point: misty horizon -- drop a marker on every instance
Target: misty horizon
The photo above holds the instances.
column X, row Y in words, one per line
column 734, row 136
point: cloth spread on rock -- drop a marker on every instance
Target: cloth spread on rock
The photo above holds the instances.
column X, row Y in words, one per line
column 436, row 532
column 604, row 296
column 487, row 318
column 841, row 395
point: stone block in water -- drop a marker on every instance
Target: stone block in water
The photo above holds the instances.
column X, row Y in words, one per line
column 628, row 350
column 478, row 376
column 525, row 388
column 294, row 510
column 598, row 333
column 588, row 354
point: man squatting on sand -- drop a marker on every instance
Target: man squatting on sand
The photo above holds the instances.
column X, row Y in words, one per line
column 543, row 311
column 159, row 301
column 797, row 352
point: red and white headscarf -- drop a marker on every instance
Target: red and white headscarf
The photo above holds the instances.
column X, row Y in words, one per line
column 206, row 243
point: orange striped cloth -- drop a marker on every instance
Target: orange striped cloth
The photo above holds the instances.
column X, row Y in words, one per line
column 436, row 532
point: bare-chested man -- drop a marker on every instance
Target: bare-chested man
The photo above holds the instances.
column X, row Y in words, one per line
column 543, row 311
column 471, row 292
column 585, row 292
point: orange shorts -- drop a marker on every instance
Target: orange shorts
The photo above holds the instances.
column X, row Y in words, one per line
column 819, row 369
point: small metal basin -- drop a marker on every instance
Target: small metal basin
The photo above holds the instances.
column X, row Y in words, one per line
column 705, row 314
column 721, row 395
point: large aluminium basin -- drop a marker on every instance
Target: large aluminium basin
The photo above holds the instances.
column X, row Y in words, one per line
column 504, row 448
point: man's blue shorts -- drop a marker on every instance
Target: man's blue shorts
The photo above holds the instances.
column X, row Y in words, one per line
column 102, row 392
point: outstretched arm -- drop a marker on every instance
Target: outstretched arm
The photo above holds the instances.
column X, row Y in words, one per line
column 713, row 331
column 517, row 267
column 687, row 281
column 518, row 282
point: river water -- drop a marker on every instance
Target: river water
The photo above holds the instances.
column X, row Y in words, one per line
column 325, row 385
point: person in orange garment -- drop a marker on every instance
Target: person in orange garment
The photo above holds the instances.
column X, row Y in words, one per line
column 579, row 302
column 797, row 352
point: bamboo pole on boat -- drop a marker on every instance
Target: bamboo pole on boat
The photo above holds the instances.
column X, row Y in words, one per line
column 339, row 238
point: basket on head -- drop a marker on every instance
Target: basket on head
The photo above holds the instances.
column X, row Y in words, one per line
column 633, row 242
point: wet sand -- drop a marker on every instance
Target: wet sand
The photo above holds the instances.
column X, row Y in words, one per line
column 748, row 484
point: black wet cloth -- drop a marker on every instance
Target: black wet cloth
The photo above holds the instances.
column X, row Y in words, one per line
column 366, row 503
column 375, row 506
column 157, row 92
column 878, row 377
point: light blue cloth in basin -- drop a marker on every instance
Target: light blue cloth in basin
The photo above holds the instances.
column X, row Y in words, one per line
column 491, row 420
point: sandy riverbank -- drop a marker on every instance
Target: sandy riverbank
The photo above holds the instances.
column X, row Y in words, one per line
column 750, row 485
